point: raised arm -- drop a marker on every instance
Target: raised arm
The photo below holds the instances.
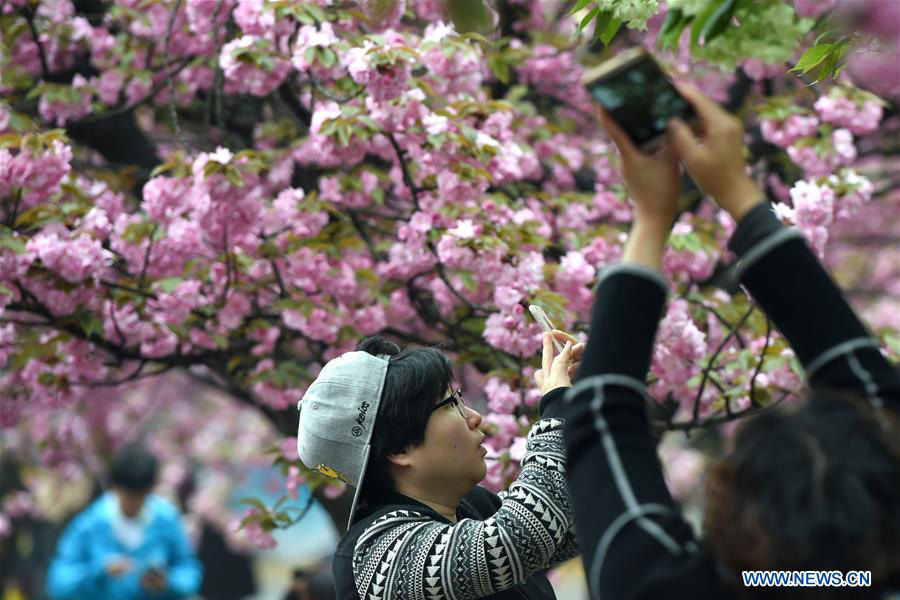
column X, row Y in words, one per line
column 634, row 541
column 784, row 276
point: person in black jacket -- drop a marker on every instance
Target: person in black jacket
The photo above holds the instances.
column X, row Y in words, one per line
column 817, row 488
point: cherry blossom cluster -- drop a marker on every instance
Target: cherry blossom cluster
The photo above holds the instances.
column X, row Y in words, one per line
column 402, row 179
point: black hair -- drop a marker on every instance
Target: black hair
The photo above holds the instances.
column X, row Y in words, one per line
column 134, row 469
column 817, row 488
column 417, row 378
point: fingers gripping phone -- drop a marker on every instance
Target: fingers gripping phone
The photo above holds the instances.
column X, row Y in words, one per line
column 638, row 95
column 541, row 317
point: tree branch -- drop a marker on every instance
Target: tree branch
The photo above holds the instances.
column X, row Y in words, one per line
column 692, row 424
column 712, row 361
column 93, row 118
column 762, row 358
column 29, row 13
column 171, row 82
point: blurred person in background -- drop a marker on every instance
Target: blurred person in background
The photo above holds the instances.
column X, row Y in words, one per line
column 128, row 544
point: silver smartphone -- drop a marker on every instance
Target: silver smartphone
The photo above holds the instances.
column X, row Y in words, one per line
column 541, row 317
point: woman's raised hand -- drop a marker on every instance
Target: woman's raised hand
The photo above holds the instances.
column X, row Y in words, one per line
column 714, row 154
column 653, row 181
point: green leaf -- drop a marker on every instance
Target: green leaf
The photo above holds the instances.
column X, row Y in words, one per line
column 828, row 67
column 234, row 176
column 255, row 503
column 317, row 13
column 673, row 35
column 826, row 34
column 499, row 67
column 168, row 284
column 812, row 57
column 578, row 6
column 672, row 18
column 10, row 140
column 601, row 23
column 344, row 134
column 90, row 323
column 220, row 340
column 328, row 127
column 588, row 18
column 469, row 15
column 719, row 20
column 13, row 243
column 837, row 71
column 700, row 20
column 327, row 57
column 610, row 32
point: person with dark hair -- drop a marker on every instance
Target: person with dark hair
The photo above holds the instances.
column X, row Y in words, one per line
column 815, row 488
column 128, row 544
column 391, row 423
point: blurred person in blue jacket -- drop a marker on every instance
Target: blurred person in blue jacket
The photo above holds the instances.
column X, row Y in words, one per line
column 128, row 544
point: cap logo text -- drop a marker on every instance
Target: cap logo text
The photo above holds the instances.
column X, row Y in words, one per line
column 360, row 419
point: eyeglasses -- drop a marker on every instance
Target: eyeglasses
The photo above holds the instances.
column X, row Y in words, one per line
column 456, row 398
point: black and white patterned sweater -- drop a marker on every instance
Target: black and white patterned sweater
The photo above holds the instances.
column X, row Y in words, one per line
column 497, row 549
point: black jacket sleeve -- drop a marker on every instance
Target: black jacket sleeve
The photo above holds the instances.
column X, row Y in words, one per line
column 784, row 276
column 634, row 541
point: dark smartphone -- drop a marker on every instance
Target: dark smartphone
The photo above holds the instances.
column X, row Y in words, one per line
column 635, row 91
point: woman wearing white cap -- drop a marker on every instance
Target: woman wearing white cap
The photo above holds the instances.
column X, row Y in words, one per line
column 390, row 423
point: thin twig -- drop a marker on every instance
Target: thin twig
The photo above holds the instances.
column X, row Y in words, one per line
column 119, row 286
column 219, row 79
column 134, row 376
column 115, row 320
column 712, row 361
column 282, row 292
column 376, row 256
column 716, row 314
column 762, row 358
column 211, row 92
column 125, row 108
column 687, row 426
column 227, row 268
column 23, row 323
column 143, row 275
column 29, row 13
column 414, row 191
column 404, row 168
column 11, row 220
column 171, row 82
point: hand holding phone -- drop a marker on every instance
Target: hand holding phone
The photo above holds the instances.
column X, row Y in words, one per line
column 541, row 317
column 556, row 371
column 653, row 182
column 633, row 89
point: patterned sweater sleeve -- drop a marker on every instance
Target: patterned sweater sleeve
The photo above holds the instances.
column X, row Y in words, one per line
column 406, row 554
